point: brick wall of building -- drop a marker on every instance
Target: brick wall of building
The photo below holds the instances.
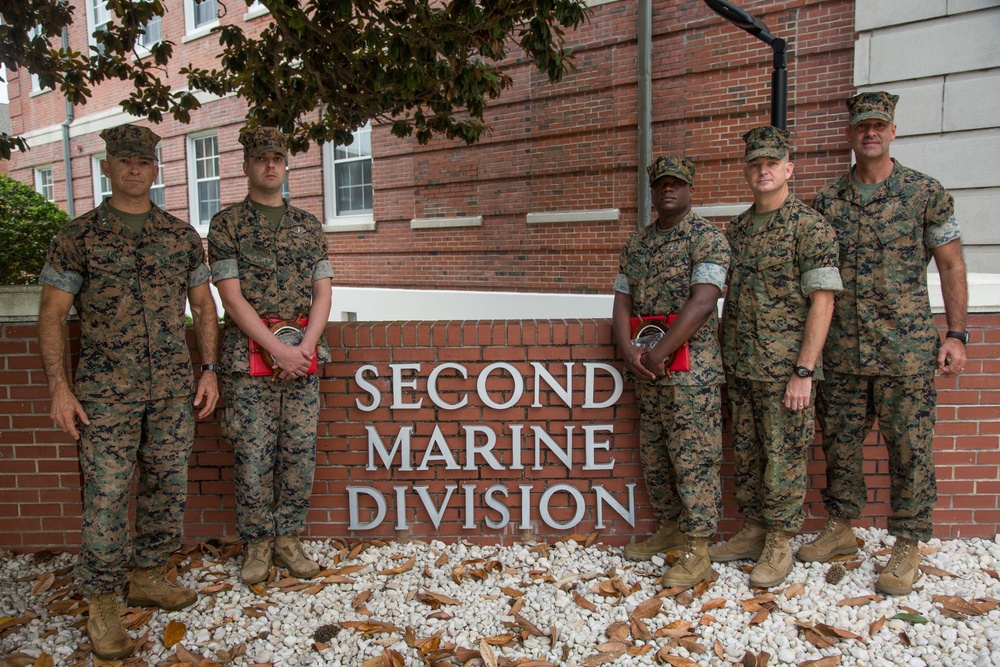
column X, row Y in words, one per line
column 40, row 492
column 570, row 146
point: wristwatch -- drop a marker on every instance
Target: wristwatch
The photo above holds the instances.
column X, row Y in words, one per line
column 211, row 367
column 960, row 335
column 803, row 372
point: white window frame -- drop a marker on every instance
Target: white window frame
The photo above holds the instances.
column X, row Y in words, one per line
column 43, row 183
column 143, row 43
column 98, row 17
column 256, row 9
column 194, row 205
column 36, row 87
column 100, row 179
column 362, row 220
column 192, row 30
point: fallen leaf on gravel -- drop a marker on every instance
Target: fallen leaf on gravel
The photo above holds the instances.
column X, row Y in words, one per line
column 134, row 620
column 216, row 588
column 828, row 661
column 360, row 599
column 647, row 608
column 17, row 660
column 636, row 651
column 369, row 628
column 314, row 589
column 905, row 638
column 876, row 625
column 675, row 629
column 464, row 655
column 702, row 587
column 173, row 633
column 44, row 660
column 511, row 592
column 583, row 602
column 675, row 660
column 859, row 601
column 715, row 603
column 435, row 600
column 525, row 624
column 911, row 618
column 601, row 658
column 259, row 589
column 640, row 631
column 720, row 651
column 794, row 590
column 488, row 655
column 618, row 631
column 760, row 617
column 935, row 571
column 992, row 573
column 831, row 631
column 337, row 579
column 684, row 598
column 708, row 619
column 43, row 584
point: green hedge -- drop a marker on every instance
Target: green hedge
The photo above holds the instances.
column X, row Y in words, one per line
column 27, row 224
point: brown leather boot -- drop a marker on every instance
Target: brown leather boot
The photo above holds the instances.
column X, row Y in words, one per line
column 836, row 539
column 288, row 553
column 148, row 588
column 104, row 627
column 693, row 566
column 748, row 543
column 665, row 538
column 775, row 561
column 256, row 561
column 903, row 569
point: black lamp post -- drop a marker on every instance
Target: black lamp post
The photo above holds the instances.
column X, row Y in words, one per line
column 779, row 77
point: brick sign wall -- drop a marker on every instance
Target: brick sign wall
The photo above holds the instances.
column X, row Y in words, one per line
column 485, row 431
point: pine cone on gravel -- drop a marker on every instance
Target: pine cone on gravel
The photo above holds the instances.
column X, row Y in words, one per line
column 835, row 574
column 325, row 633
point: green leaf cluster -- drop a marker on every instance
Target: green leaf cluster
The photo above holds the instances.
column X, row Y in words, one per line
column 27, row 223
column 320, row 69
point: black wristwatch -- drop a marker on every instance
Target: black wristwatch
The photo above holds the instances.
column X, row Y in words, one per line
column 211, row 367
column 960, row 335
column 803, row 372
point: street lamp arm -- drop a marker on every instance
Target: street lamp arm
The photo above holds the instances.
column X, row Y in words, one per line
column 741, row 19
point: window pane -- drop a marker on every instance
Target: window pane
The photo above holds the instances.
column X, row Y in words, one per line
column 352, row 175
column 153, row 33
column 157, row 195
column 208, row 200
column 205, row 12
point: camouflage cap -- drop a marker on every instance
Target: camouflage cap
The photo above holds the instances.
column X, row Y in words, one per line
column 130, row 141
column 879, row 105
column 677, row 166
column 259, row 140
column 767, row 141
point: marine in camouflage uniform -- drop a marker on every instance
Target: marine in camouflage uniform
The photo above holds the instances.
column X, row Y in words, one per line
column 883, row 346
column 128, row 267
column 269, row 260
column 777, row 312
column 676, row 266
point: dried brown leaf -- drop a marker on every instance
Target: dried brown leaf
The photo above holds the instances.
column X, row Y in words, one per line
column 360, row 599
column 613, row 646
column 760, row 617
column 647, row 608
column 720, row 651
column 173, row 633
column 525, row 624
column 487, row 654
column 859, row 601
column 795, row 590
column 876, row 625
column 43, row 584
column 618, row 631
column 935, row 571
column 828, row 661
column 216, row 588
column 640, row 631
column 511, row 592
column 675, row 629
column 675, row 660
column 44, row 660
column 714, row 603
column 583, row 602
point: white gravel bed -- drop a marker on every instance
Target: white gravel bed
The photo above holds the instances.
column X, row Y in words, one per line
column 534, row 604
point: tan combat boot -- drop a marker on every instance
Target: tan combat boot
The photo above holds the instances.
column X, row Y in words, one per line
column 665, row 538
column 692, row 568
column 748, row 543
column 256, row 561
column 104, row 627
column 148, row 588
column 836, row 539
column 903, row 569
column 288, row 553
column 775, row 562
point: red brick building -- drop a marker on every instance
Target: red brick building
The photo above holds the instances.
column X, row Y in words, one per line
column 541, row 204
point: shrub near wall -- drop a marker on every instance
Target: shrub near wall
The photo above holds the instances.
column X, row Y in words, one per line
column 40, row 490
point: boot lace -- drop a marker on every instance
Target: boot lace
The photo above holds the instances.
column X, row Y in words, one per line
column 108, row 608
column 900, row 553
column 830, row 528
column 770, row 544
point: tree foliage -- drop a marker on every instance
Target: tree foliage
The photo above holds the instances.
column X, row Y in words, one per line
column 319, row 70
column 27, row 223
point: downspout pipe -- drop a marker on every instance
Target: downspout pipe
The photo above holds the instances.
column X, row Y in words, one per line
column 67, row 156
column 644, row 112
column 779, row 76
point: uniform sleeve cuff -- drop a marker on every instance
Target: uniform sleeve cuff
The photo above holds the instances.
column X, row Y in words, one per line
column 323, row 269
column 199, row 275
column 823, row 278
column 225, row 269
column 621, row 284
column 709, row 274
column 67, row 281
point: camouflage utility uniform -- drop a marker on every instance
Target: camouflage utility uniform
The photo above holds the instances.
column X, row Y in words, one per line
column 881, row 352
column 272, row 424
column 134, row 380
column 777, row 264
column 679, row 414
